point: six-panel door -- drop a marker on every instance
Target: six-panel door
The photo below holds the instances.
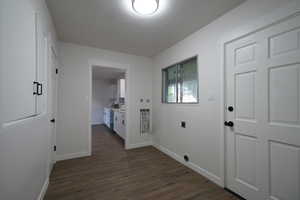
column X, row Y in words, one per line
column 263, row 85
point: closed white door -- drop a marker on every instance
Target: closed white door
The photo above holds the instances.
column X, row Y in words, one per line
column 263, row 113
column 53, row 82
column 23, row 63
column 18, row 61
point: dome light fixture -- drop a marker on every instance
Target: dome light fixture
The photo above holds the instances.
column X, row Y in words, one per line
column 145, row 7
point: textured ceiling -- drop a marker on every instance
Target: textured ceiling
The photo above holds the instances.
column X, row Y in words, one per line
column 111, row 24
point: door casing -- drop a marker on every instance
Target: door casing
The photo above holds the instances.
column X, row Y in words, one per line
column 110, row 64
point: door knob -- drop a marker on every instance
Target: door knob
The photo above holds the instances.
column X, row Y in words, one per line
column 229, row 123
column 230, row 108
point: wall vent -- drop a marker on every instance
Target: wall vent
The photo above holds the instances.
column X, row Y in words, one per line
column 144, row 121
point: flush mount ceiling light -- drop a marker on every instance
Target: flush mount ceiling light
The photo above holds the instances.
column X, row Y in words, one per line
column 145, row 7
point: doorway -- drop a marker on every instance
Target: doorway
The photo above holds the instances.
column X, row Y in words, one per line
column 109, row 100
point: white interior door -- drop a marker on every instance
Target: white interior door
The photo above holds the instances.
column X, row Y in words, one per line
column 242, row 139
column 41, row 72
column 53, row 104
column 18, row 61
column 263, row 87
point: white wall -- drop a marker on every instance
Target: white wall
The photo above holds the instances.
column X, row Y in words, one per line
column 102, row 93
column 201, row 139
column 74, row 95
column 24, row 147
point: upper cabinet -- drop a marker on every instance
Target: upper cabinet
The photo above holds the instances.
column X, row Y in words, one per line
column 122, row 88
column 23, row 62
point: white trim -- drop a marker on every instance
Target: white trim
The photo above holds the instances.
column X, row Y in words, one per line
column 72, row 156
column 210, row 176
column 44, row 189
column 275, row 17
column 111, row 64
column 139, row 145
column 222, row 114
column 90, row 108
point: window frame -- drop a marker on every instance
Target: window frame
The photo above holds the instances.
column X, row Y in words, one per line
column 180, row 81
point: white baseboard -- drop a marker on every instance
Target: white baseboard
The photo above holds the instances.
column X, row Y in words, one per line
column 212, row 177
column 44, row 189
column 139, row 145
column 72, row 156
column 97, row 123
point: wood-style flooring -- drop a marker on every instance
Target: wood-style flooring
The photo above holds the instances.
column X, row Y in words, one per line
column 112, row 173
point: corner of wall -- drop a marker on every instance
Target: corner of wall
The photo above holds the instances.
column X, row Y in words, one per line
column 44, row 189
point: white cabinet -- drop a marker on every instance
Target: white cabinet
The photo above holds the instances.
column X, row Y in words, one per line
column 22, row 62
column 122, row 88
column 119, row 123
column 122, row 126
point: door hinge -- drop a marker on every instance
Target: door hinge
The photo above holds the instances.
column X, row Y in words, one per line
column 54, row 148
column 56, row 70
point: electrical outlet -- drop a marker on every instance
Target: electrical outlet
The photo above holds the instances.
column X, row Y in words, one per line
column 183, row 124
column 186, row 158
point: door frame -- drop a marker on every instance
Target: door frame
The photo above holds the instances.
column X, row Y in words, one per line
column 279, row 15
column 51, row 52
column 110, row 64
column 54, row 109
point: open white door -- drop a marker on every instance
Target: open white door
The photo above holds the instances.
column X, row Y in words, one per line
column 263, row 113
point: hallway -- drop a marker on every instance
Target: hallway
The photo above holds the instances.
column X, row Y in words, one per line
column 113, row 173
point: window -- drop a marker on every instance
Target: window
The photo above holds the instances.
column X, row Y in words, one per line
column 180, row 82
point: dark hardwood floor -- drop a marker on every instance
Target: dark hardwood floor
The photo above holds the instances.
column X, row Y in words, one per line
column 113, row 173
